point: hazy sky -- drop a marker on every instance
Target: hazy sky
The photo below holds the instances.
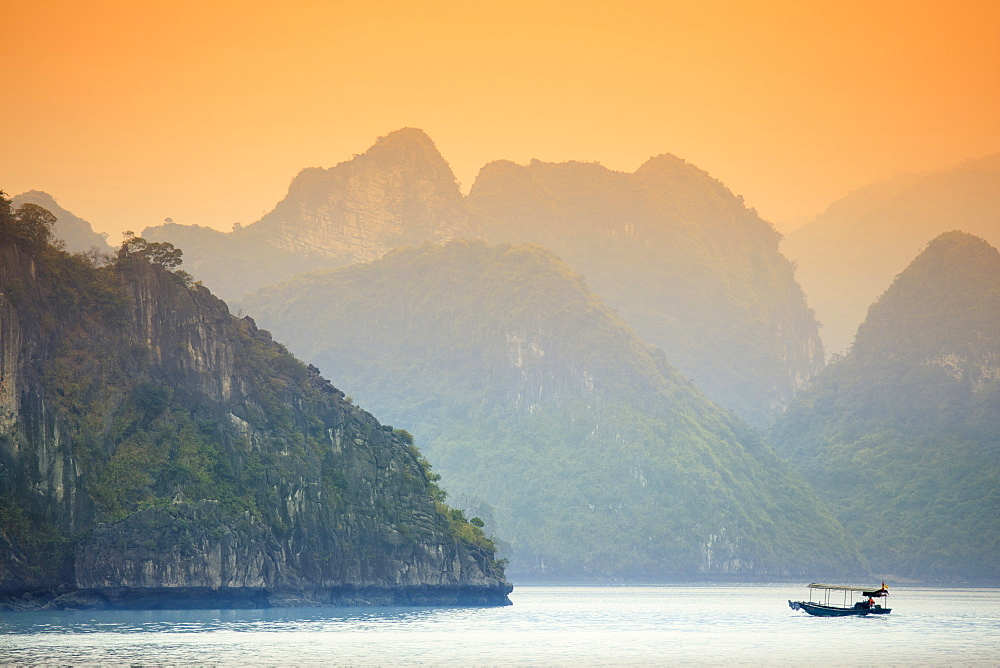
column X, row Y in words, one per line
column 130, row 112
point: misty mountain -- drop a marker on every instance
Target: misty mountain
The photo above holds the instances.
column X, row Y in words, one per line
column 400, row 192
column 77, row 233
column 682, row 260
column 675, row 252
column 156, row 451
column 849, row 254
column 549, row 418
column 902, row 435
column 234, row 262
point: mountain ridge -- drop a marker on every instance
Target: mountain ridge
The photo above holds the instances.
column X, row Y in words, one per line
column 901, row 434
column 848, row 255
column 602, row 466
column 688, row 266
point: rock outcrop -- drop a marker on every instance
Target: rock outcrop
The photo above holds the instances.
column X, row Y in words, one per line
column 400, row 192
column 157, row 451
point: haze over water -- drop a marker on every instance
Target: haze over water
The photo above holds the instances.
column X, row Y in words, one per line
column 546, row 626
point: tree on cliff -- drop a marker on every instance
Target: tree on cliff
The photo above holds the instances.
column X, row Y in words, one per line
column 162, row 253
column 29, row 225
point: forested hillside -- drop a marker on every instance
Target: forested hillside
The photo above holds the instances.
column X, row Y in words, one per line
column 548, row 417
column 902, row 435
column 156, row 451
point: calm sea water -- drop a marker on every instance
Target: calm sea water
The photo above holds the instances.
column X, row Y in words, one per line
column 546, row 626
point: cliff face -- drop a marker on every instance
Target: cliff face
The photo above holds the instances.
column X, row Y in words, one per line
column 155, row 450
column 400, row 192
column 687, row 265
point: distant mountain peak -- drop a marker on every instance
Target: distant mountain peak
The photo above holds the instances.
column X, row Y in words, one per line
column 668, row 169
column 400, row 192
column 900, row 435
column 959, row 241
column 406, row 137
column 666, row 161
column 648, row 242
column 39, row 197
column 410, row 145
column 78, row 234
column 945, row 303
column 850, row 253
column 495, row 167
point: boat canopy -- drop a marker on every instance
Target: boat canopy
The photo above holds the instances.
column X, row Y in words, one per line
column 867, row 591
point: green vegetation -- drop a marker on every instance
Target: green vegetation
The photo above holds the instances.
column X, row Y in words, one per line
column 29, row 225
column 115, row 418
column 157, row 252
column 685, row 263
column 77, row 233
column 902, row 436
column 46, row 551
column 531, row 396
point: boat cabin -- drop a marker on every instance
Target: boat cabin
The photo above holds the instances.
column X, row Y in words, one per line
column 825, row 607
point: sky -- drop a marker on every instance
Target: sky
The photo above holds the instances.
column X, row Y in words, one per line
column 132, row 112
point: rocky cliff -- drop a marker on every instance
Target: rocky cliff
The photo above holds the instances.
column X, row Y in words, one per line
column 157, row 451
column 400, row 192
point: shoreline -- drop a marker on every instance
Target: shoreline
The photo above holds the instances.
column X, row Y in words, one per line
column 206, row 598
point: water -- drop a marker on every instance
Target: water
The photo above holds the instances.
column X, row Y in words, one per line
column 546, row 626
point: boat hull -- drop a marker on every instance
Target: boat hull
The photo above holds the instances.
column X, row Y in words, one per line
column 819, row 610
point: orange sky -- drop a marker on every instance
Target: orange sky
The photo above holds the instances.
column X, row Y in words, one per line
column 130, row 112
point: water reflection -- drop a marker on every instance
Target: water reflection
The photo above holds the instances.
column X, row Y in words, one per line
column 201, row 621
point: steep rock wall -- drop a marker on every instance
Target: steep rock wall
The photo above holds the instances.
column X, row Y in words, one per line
column 154, row 448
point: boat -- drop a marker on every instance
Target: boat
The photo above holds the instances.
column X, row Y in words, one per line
column 863, row 607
